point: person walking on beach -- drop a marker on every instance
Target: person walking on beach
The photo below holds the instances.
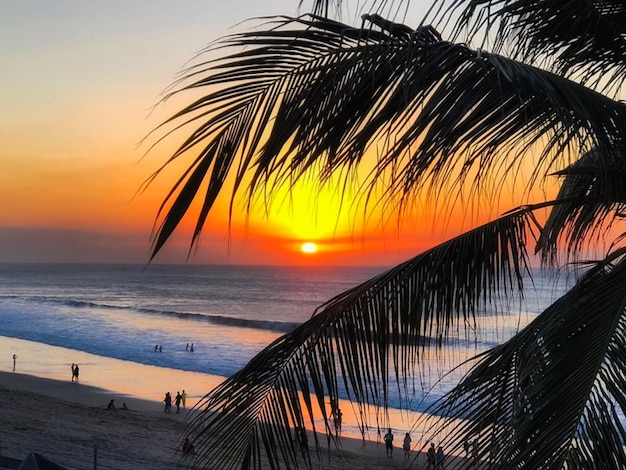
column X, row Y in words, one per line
column 177, row 401
column 191, row 348
column 406, row 445
column 14, row 359
column 337, row 415
column 168, row 402
column 184, row 398
column 74, row 372
column 389, row 443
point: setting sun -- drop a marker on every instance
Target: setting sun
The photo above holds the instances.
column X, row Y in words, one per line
column 308, row 247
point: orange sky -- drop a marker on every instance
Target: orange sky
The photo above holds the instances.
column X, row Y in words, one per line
column 79, row 79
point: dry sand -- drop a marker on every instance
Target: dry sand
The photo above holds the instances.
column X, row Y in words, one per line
column 68, row 422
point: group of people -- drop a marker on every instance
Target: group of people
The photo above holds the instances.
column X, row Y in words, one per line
column 111, row 405
column 75, row 371
column 434, row 457
column 406, row 444
column 179, row 399
column 159, row 347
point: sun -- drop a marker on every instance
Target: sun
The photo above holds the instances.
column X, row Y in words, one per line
column 308, row 247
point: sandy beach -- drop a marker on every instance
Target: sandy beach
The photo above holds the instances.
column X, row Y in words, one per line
column 69, row 424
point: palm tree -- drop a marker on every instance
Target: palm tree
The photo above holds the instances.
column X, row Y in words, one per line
column 471, row 92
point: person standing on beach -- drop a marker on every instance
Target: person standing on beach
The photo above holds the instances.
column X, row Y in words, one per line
column 338, row 415
column 177, row 401
column 75, row 373
column 431, row 456
column 14, row 359
column 406, row 445
column 184, row 398
column 389, row 443
column 440, row 457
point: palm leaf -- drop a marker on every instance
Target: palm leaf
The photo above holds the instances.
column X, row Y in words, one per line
column 551, row 397
column 591, row 198
column 315, row 95
column 249, row 420
column 579, row 37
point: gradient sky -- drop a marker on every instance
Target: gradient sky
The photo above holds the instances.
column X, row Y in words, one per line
column 78, row 81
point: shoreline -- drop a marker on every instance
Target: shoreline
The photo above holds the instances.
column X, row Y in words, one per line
column 124, row 377
column 41, row 383
column 69, row 424
column 149, row 383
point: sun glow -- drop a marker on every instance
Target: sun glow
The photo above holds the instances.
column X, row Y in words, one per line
column 308, row 247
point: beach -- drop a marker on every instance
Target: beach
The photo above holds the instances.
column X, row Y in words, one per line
column 69, row 424
column 109, row 319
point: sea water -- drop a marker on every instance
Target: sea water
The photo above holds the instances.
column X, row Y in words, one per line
column 110, row 318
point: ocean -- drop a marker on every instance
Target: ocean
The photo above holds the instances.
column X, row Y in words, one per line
column 110, row 318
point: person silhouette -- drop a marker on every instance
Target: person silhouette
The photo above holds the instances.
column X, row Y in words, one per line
column 440, row 457
column 406, row 445
column 337, row 415
column 188, row 447
column 431, row 456
column 14, row 359
column 168, row 402
column 177, row 400
column 389, row 443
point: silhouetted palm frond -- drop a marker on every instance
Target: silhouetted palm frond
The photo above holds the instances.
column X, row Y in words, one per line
column 349, row 344
column 591, row 198
column 553, row 396
column 586, row 38
column 315, row 95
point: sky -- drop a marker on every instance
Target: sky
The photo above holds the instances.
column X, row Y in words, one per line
column 79, row 91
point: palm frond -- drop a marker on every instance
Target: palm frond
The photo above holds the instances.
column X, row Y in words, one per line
column 592, row 196
column 587, row 38
column 333, row 8
column 250, row 419
column 314, row 94
column 551, row 397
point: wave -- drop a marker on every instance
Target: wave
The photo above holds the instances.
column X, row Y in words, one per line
column 222, row 320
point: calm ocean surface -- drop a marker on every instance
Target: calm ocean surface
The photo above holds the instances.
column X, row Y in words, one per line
column 110, row 317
